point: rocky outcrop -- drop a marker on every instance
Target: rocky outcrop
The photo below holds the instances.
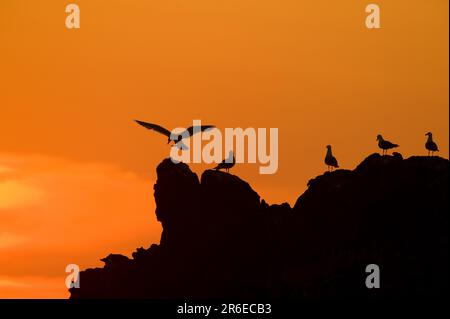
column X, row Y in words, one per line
column 220, row 240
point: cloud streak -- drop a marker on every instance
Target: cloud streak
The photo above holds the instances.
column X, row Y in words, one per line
column 54, row 212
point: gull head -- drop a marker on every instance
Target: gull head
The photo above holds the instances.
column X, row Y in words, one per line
column 171, row 138
column 379, row 137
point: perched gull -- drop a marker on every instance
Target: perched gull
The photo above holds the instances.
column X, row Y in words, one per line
column 385, row 145
column 430, row 145
column 227, row 163
column 178, row 141
column 330, row 160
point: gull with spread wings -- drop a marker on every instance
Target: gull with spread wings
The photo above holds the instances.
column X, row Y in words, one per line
column 177, row 138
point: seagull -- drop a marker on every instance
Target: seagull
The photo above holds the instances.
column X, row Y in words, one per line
column 385, row 145
column 178, row 141
column 330, row 160
column 227, row 163
column 430, row 145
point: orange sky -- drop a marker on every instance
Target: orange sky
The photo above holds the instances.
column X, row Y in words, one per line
column 76, row 174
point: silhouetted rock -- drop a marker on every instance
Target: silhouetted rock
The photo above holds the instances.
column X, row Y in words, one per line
column 115, row 261
column 220, row 240
column 176, row 196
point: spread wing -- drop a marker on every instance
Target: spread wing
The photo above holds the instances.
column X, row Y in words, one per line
column 202, row 128
column 154, row 127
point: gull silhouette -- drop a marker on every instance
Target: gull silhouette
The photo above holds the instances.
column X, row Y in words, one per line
column 227, row 163
column 180, row 136
column 430, row 145
column 385, row 145
column 330, row 160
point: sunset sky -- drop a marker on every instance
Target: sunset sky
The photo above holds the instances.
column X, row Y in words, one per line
column 77, row 174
